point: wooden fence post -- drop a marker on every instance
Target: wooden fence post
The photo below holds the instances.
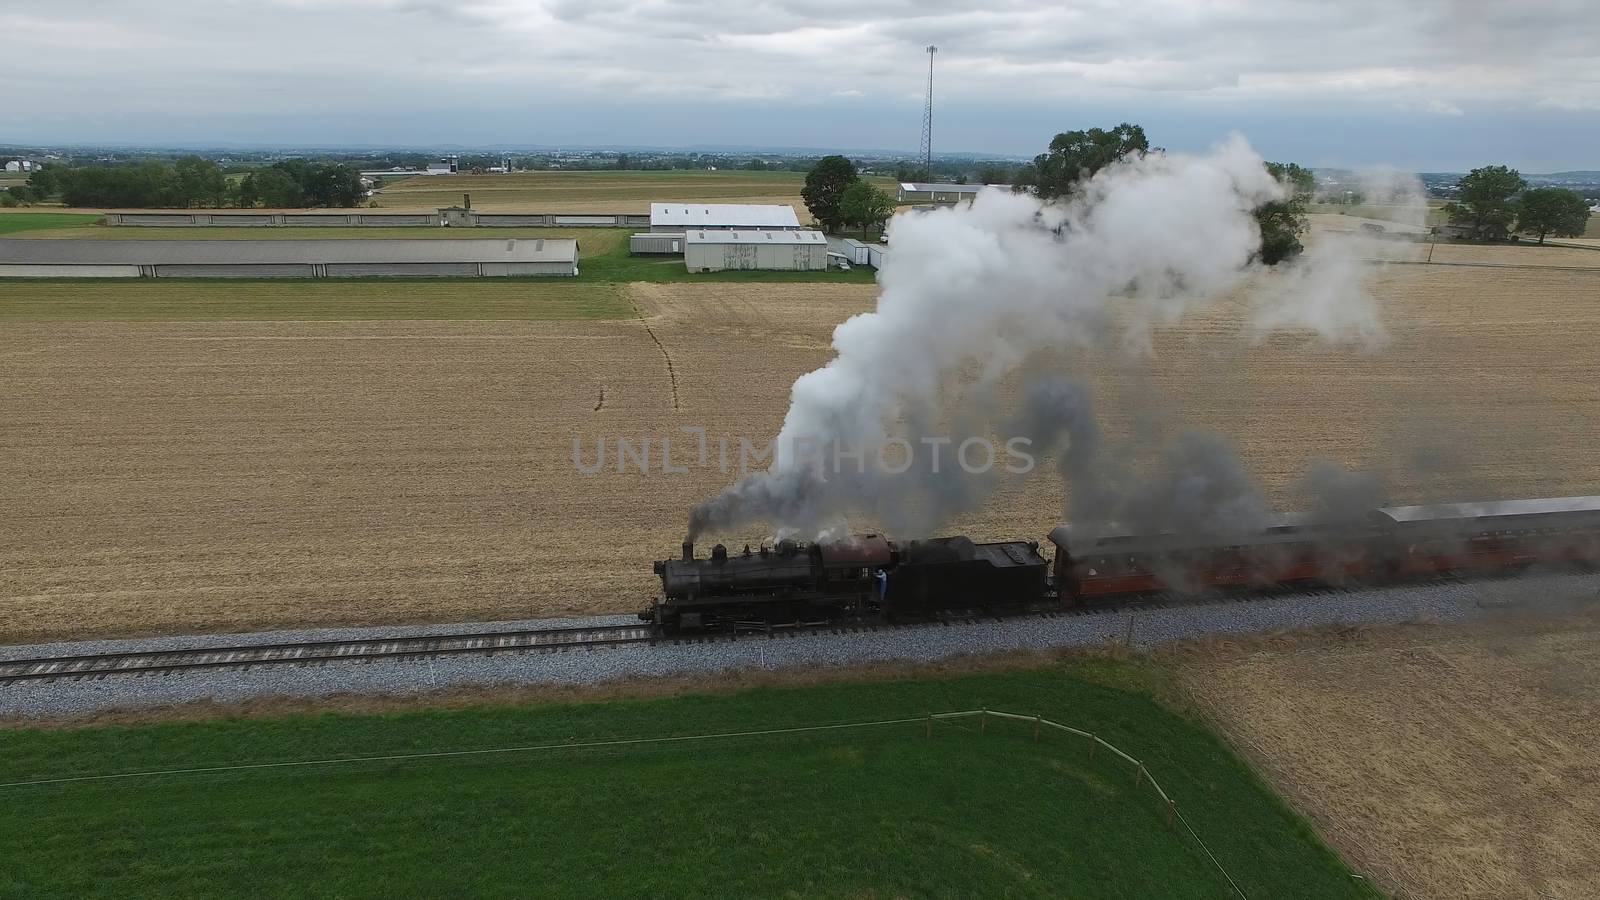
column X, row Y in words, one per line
column 1092, row 742
column 927, row 727
column 1036, row 729
column 1138, row 779
column 983, row 721
column 1172, row 811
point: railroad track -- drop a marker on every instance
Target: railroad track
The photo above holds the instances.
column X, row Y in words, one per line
column 247, row 655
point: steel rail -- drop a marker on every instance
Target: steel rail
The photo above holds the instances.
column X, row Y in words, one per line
column 135, row 662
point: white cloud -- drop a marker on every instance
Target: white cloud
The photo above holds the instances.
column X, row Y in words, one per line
column 1442, row 108
column 848, row 93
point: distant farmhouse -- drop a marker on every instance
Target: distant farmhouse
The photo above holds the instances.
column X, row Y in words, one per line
column 444, row 165
column 21, row 165
column 938, row 192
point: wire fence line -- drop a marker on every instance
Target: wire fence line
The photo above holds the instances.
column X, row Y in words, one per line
column 1094, row 742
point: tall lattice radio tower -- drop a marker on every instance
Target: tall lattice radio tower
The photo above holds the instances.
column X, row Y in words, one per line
column 926, row 148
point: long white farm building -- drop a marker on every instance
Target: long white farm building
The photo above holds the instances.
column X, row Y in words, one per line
column 287, row 259
column 714, row 250
column 684, row 217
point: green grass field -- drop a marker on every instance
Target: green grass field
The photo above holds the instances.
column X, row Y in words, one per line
column 881, row 812
column 296, row 300
column 23, row 224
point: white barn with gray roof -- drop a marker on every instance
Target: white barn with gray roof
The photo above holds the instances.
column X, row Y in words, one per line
column 684, row 217
column 287, row 259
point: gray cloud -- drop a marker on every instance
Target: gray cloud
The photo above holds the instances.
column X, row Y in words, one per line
column 174, row 62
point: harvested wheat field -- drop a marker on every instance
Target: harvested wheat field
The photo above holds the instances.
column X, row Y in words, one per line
column 600, row 192
column 1442, row 761
column 162, row 475
column 1519, row 254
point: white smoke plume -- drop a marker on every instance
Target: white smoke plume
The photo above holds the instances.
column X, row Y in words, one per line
column 976, row 292
column 1324, row 290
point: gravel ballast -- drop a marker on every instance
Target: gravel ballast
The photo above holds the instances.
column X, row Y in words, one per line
column 1150, row 627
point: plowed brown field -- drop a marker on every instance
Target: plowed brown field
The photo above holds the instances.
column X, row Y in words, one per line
column 1444, row 762
column 162, row 476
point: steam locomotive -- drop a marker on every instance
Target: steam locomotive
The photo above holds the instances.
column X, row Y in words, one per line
column 870, row 578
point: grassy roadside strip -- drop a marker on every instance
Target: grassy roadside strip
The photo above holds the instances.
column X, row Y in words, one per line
column 11, row 223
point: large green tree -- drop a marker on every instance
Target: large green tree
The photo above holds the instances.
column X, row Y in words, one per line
column 1484, row 201
column 1552, row 210
column 197, row 182
column 825, row 187
column 273, row 188
column 1283, row 221
column 46, row 181
column 333, row 185
column 865, row 206
column 1076, row 155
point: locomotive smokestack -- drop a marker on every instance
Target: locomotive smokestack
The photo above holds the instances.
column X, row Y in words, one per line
column 688, row 551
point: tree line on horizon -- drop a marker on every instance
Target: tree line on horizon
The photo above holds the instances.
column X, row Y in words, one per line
column 1493, row 202
column 192, row 182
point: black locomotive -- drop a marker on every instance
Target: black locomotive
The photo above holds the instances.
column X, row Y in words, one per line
column 866, row 577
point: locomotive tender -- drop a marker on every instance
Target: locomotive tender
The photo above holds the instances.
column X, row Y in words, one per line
column 870, row 578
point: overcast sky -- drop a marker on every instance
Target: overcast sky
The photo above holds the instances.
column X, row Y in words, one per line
column 1422, row 84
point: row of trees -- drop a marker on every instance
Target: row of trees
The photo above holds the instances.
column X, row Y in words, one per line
column 1492, row 201
column 956, row 173
column 194, row 182
column 297, row 183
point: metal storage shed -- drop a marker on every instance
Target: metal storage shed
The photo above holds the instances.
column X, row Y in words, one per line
column 287, row 259
column 666, row 243
column 714, row 251
column 942, row 192
column 681, row 217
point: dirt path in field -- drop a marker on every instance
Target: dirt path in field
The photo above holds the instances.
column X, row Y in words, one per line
column 1445, row 762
